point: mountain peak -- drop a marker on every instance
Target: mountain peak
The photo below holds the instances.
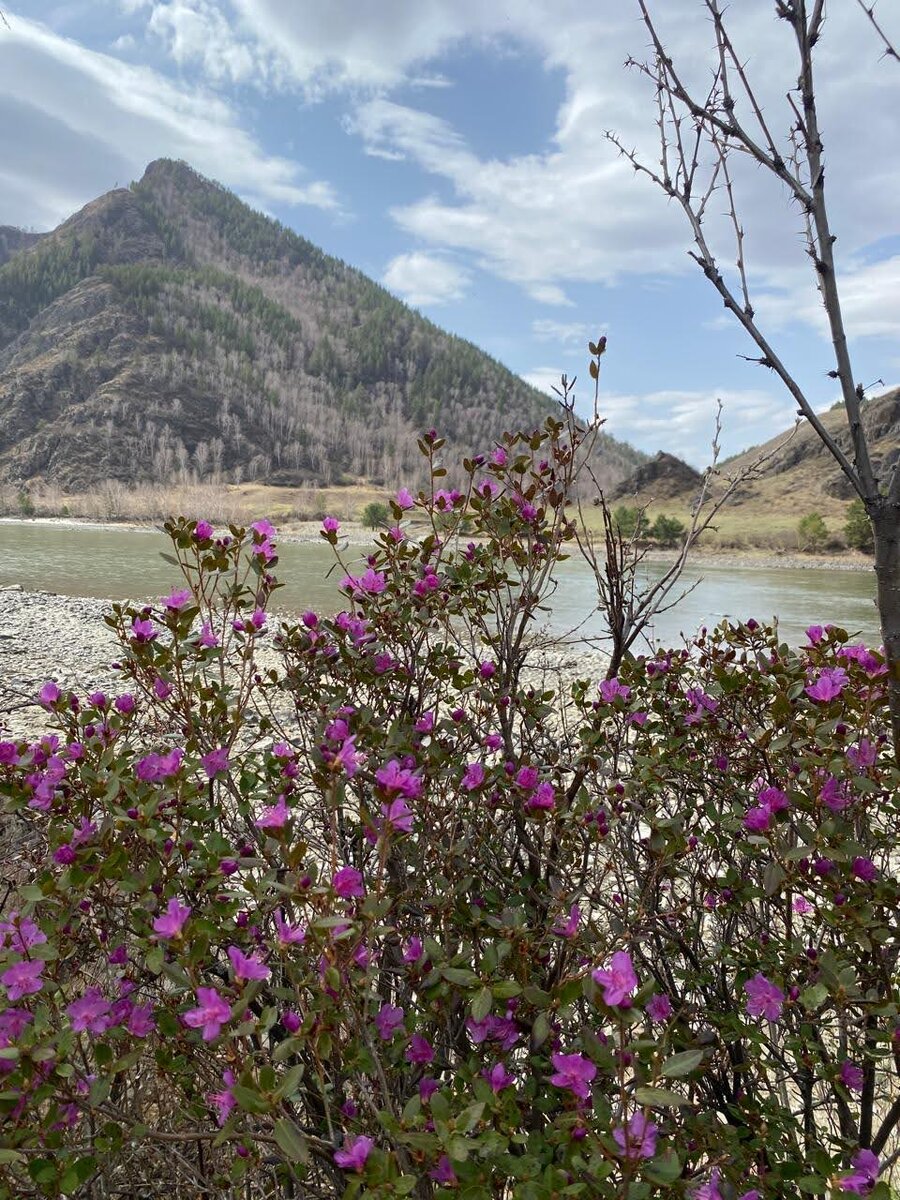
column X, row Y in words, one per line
column 169, row 331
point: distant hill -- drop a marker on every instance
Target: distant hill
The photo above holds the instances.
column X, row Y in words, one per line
column 799, row 475
column 170, row 331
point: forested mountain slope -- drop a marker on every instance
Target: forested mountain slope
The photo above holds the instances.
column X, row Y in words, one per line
column 168, row 330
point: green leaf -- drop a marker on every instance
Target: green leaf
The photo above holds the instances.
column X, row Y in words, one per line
column 655, row 1097
column 404, row 1185
column 10, row 1156
column 291, row 1141
column 249, row 1100
column 664, row 1169
column 469, row 1117
column 461, row 976
column 682, row 1064
column 481, row 1004
column 813, row 997
column 813, row 1184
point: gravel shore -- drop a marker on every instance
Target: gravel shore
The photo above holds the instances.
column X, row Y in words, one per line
column 64, row 638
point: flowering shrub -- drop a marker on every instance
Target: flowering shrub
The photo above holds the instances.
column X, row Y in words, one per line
column 398, row 918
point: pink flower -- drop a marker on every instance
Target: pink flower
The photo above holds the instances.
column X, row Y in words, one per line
column 764, row 998
column 473, row 777
column 21, row 933
column 387, row 1021
column 611, row 690
column 862, row 755
column 247, row 967
column 543, row 797
column 757, row 819
column 394, row 778
column 527, row 777
column 397, row 815
column 443, row 1172
column 348, row 758
column 710, row 1190
column 90, row 1012
column 348, row 882
column 864, row 1176
column 404, row 500
column 274, row 817
column 203, row 530
column 143, row 630
column 815, row 633
column 569, row 927
column 264, row 528
column 413, row 950
column 801, row 906
column 498, row 458
column 659, row 1008
column 140, row 1021
column 161, row 689
column 210, row 1015
column 22, row 979
column 330, row 525
column 498, row 1077
column 573, row 1071
column 288, row 935
column 223, row 1101
column 828, row 685
column 207, row 638
column 172, row 921
column 49, row 694
column 419, row 1050
column 638, row 1138
column 178, row 600
column 618, row 981
column 864, row 869
column 354, row 1154
column 215, row 762
column 852, row 1076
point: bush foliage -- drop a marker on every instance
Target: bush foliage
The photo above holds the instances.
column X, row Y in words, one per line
column 405, row 916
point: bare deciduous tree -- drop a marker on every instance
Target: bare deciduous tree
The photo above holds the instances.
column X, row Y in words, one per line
column 702, row 134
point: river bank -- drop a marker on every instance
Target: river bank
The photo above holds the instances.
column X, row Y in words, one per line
column 353, row 533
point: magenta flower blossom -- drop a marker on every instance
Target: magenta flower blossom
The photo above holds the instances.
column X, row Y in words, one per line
column 395, row 778
column 659, row 1008
column 638, row 1138
column 710, row 1190
column 611, row 690
column 140, row 1021
column 833, row 794
column 569, row 927
column 828, row 685
column 865, row 869
column 413, row 951
column 172, row 921
column 49, row 694
column 178, row 599
column 862, row 755
column 210, row 1015
column 264, row 528
column 764, row 998
column 207, row 639
column 427, row 1088
column 223, row 1102
column 397, row 815
column 288, row 935
column 203, row 530
column 574, row 1072
column 90, row 1012
column 348, row 882
column 419, row 1050
column 354, row 1154
column 473, row 777
column 330, row 525
column 618, row 981
column 757, row 819
column 543, row 797
column 527, row 777
column 404, row 500
column 247, row 966
column 22, row 979
column 124, row 704
column 348, row 758
column 802, row 906
column 498, row 458
column 274, row 817
column 498, row 1077
column 815, row 633
column 215, row 762
column 21, row 933
column 161, row 689
column 388, row 1020
column 442, row 1172
column 864, row 1176
column 143, row 630
column 156, row 767
column 852, row 1076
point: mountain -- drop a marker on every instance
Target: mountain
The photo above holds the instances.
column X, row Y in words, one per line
column 13, row 240
column 169, row 331
column 797, row 474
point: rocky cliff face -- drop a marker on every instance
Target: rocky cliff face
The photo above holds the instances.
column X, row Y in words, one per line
column 168, row 330
column 663, row 478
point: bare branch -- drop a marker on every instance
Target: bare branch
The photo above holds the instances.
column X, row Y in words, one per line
column 889, row 51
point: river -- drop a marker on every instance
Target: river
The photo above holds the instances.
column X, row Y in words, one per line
column 126, row 563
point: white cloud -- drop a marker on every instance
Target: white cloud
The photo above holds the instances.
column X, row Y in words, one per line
column 57, row 153
column 423, row 279
column 563, row 333
column 197, row 30
column 870, row 301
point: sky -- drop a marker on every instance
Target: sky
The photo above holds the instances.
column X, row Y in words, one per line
column 457, row 151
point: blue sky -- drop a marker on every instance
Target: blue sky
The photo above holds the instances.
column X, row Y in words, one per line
column 455, row 150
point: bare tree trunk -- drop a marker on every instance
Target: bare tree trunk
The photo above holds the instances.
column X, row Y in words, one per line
column 886, row 525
